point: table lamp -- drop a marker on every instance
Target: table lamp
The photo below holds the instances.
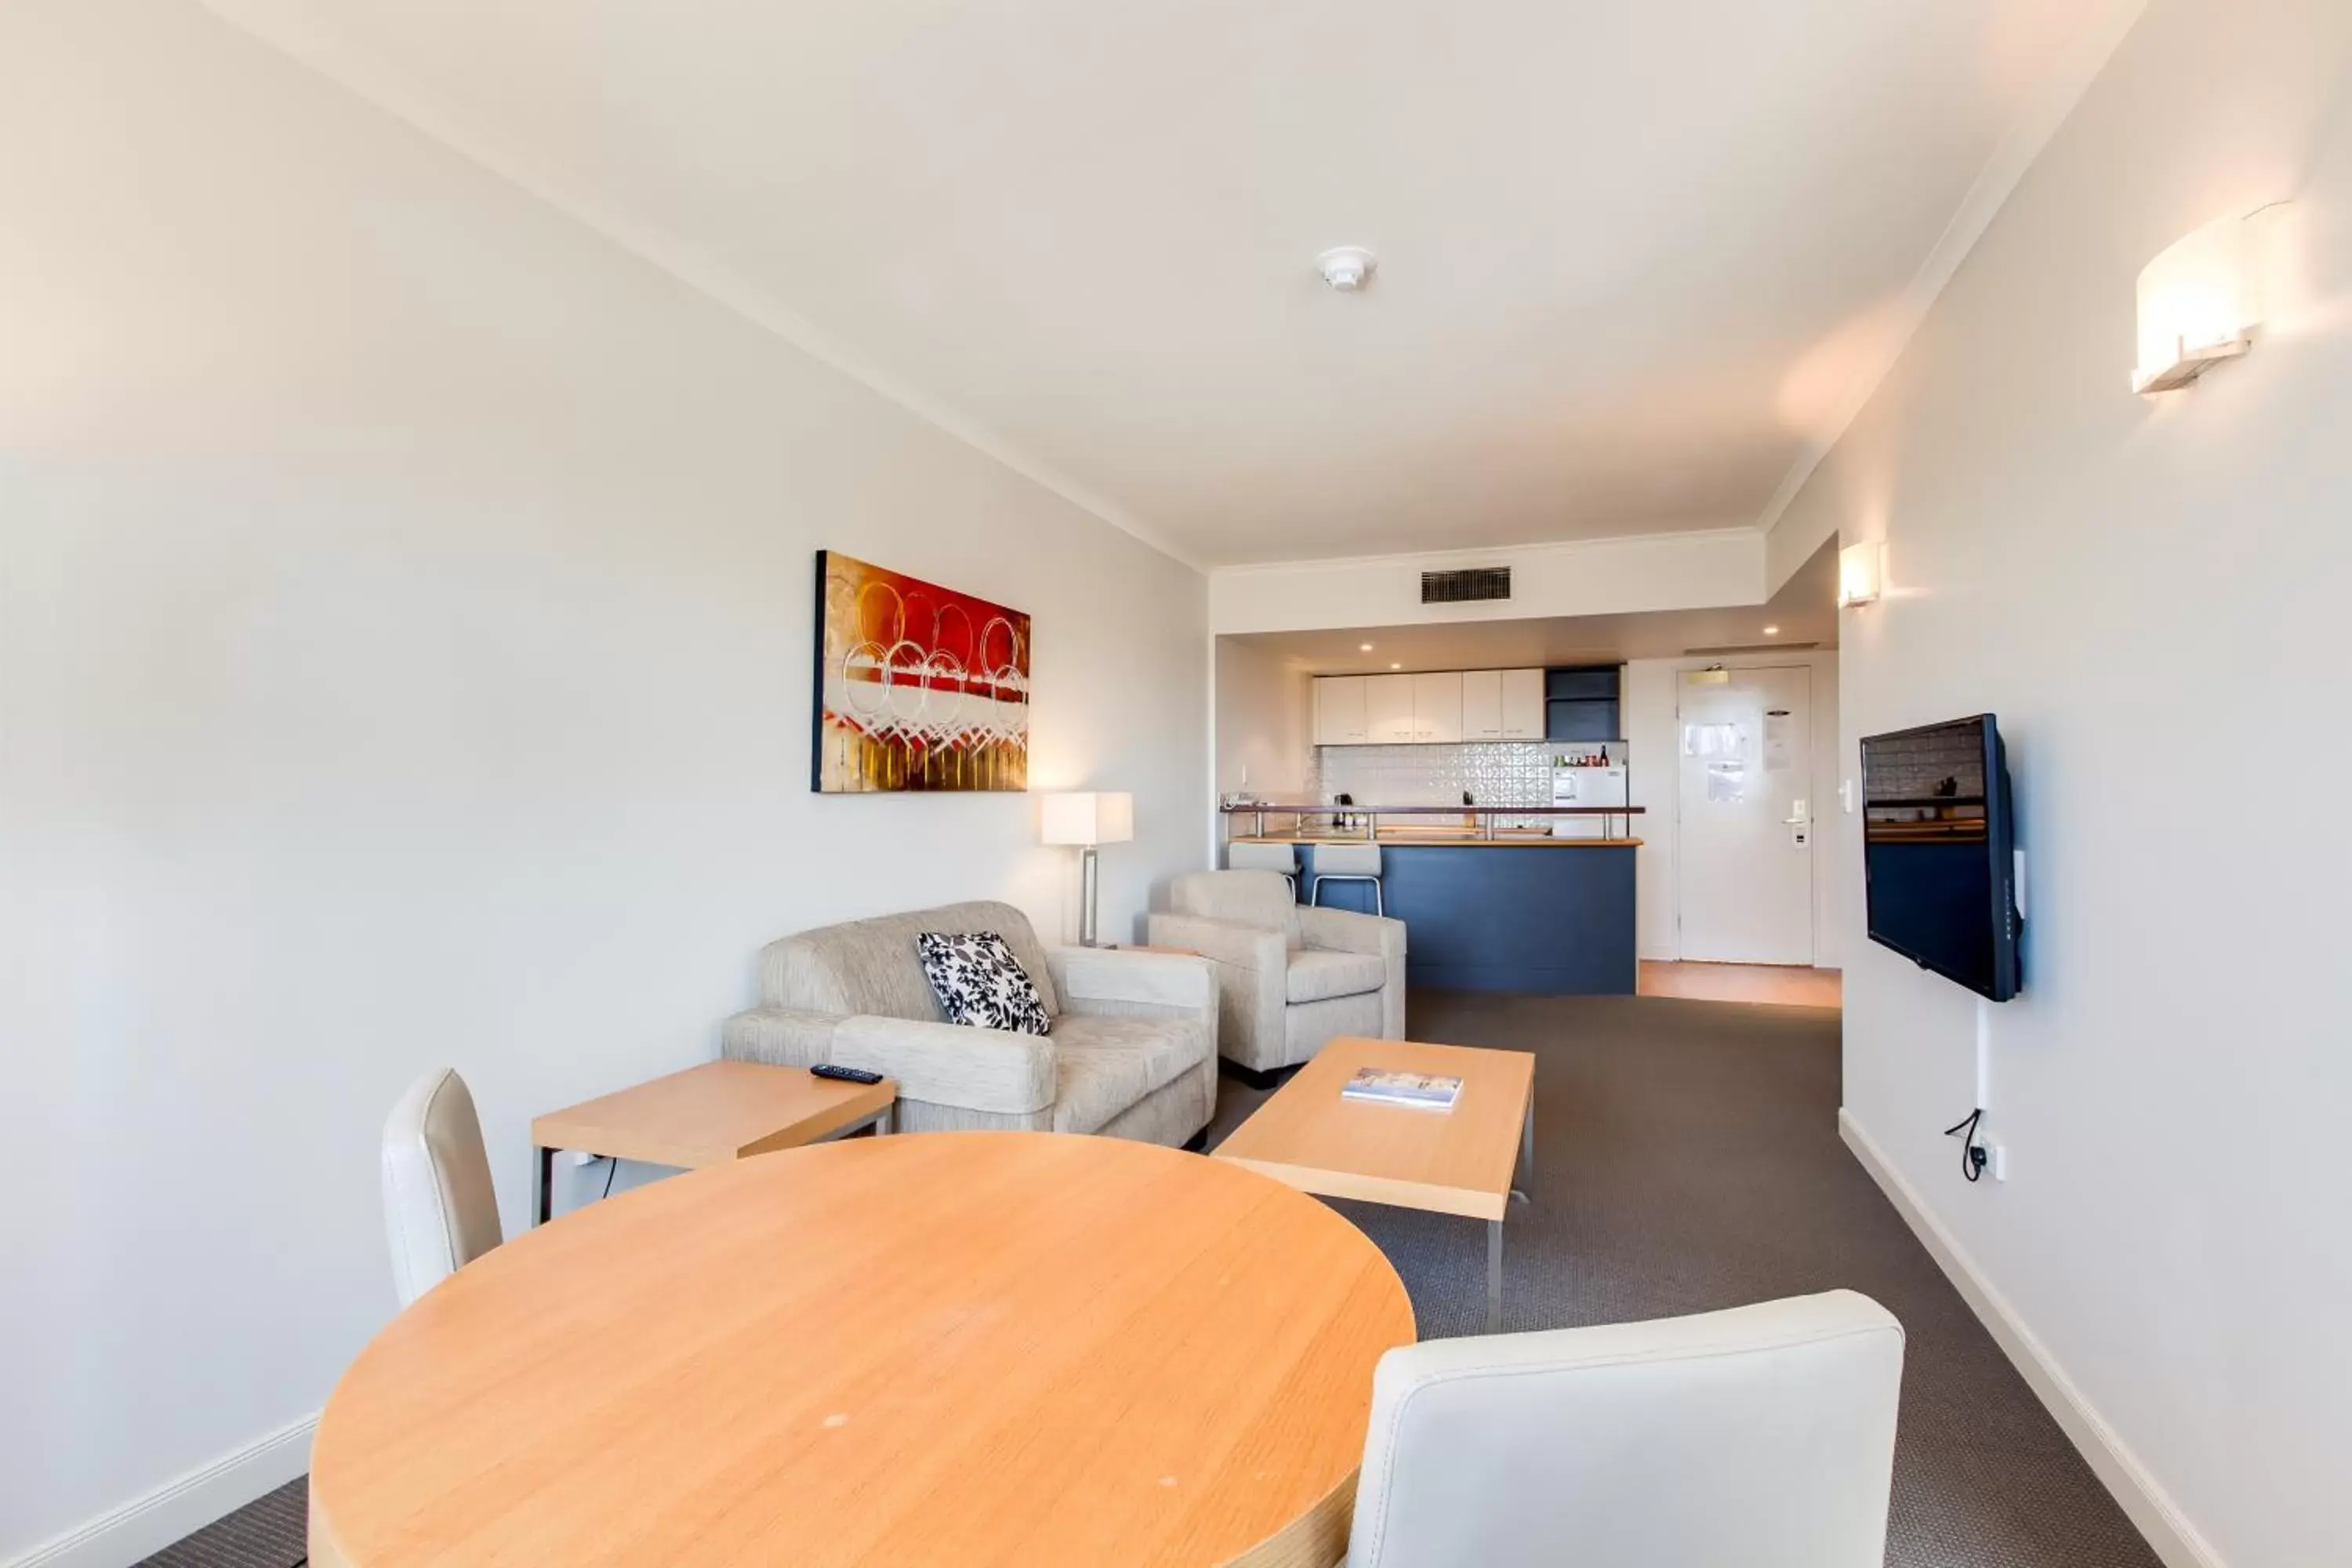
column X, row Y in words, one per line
column 1087, row 818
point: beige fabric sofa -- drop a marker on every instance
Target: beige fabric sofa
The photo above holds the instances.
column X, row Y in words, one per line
column 1132, row 1052
column 1289, row 977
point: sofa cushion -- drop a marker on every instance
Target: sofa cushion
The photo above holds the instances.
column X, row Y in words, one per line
column 870, row 966
column 1318, row 972
column 979, row 983
column 1105, row 1065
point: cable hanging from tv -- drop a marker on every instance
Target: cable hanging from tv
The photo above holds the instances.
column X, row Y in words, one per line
column 1973, row 1154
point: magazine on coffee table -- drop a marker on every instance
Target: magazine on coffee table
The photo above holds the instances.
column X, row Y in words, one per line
column 1389, row 1085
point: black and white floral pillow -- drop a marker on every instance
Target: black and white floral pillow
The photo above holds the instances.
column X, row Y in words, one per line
column 980, row 984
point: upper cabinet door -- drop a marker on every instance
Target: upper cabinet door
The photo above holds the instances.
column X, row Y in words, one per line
column 1340, row 711
column 1388, row 709
column 1481, row 704
column 1437, row 707
column 1522, row 705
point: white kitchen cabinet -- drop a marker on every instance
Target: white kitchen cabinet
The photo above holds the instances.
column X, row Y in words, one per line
column 1388, row 709
column 1340, row 711
column 1481, row 704
column 1429, row 708
column 1522, row 703
column 1437, row 707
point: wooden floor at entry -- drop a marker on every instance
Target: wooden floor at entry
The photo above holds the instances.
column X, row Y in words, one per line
column 1773, row 984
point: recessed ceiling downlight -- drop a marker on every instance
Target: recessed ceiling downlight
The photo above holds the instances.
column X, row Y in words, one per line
column 1346, row 269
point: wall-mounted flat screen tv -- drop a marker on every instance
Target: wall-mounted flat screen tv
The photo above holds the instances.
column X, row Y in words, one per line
column 1938, row 852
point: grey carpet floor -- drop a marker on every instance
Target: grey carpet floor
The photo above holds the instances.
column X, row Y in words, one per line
column 265, row 1533
column 1686, row 1158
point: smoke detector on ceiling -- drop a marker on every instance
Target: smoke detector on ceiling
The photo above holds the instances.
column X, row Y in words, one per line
column 1346, row 269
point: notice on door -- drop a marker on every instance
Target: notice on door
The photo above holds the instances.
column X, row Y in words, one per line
column 1777, row 758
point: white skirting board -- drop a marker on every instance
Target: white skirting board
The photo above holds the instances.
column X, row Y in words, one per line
column 2154, row 1513
column 145, row 1525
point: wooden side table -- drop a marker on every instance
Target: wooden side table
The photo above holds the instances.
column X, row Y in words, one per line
column 708, row 1115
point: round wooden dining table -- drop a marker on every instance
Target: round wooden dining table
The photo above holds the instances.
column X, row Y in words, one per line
column 968, row 1348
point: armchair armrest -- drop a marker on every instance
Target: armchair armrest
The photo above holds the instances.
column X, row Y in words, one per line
column 1227, row 942
column 1252, row 974
column 1172, row 981
column 948, row 1064
column 1346, row 932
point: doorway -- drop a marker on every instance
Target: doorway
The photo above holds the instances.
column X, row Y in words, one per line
column 1744, row 830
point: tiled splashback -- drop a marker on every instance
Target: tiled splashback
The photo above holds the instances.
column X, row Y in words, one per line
column 1494, row 774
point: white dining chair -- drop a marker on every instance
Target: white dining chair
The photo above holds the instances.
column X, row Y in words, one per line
column 1348, row 863
column 1279, row 858
column 1763, row 1436
column 440, row 1210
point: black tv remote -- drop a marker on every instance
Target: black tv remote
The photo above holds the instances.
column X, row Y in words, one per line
column 846, row 1074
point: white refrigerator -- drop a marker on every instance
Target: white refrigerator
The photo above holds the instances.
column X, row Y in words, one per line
column 1585, row 786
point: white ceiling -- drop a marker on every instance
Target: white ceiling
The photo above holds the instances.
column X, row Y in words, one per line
column 1804, row 613
column 1632, row 254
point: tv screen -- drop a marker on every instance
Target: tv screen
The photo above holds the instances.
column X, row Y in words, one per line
column 1937, row 851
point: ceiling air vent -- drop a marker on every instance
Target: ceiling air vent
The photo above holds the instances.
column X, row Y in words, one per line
column 1473, row 582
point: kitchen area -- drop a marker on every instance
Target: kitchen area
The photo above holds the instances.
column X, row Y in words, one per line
column 1499, row 802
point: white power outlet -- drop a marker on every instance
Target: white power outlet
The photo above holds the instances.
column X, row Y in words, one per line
column 1996, row 1161
column 580, row 1157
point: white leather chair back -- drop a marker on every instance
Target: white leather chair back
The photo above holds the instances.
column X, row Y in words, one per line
column 1346, row 860
column 439, row 1207
column 1280, row 858
column 1763, row 1436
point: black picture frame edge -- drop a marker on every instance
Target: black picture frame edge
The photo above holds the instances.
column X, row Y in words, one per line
column 816, row 686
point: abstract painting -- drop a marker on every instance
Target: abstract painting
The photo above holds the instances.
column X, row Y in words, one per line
column 917, row 687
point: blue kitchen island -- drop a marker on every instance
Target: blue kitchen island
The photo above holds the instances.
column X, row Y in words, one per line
column 1505, row 911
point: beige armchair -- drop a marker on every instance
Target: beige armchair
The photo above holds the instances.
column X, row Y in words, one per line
column 1289, row 978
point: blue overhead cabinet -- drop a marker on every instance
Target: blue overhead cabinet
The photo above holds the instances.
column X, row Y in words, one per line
column 1581, row 703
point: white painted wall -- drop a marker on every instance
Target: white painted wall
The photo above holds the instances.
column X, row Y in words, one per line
column 1697, row 570
column 2108, row 574
column 1651, row 692
column 405, row 641
column 1265, row 722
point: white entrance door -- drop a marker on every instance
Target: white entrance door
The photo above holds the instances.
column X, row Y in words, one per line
column 1744, row 849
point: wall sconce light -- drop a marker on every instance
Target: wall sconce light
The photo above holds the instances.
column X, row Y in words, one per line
column 1860, row 570
column 2199, row 303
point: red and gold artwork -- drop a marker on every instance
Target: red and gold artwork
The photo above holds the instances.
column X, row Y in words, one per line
column 917, row 687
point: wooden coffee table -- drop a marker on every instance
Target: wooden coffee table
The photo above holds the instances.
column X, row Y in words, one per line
column 708, row 1115
column 1460, row 1161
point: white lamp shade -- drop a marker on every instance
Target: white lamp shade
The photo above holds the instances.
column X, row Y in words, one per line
column 1088, row 816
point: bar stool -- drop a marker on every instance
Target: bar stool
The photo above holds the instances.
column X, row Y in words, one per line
column 1277, row 857
column 1346, row 863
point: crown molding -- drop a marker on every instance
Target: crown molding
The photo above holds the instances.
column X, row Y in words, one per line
column 2046, row 108
column 287, row 27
